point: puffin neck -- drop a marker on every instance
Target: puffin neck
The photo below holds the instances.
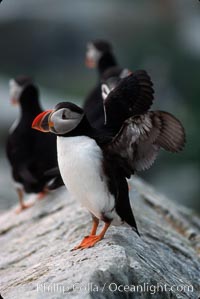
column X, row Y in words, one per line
column 29, row 101
column 84, row 129
column 30, row 107
column 105, row 62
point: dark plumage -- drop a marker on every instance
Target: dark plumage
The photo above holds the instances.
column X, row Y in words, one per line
column 132, row 96
column 103, row 159
column 30, row 153
column 99, row 55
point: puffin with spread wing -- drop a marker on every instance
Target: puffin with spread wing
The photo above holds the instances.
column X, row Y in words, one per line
column 95, row 164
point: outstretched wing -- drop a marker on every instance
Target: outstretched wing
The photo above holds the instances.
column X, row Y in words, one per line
column 137, row 144
column 132, row 96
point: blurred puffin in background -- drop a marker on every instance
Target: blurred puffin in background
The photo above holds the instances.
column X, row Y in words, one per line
column 99, row 55
column 30, row 153
column 95, row 163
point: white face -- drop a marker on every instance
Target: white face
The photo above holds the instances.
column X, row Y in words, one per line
column 105, row 90
column 111, row 83
column 92, row 56
column 15, row 91
column 125, row 73
column 64, row 120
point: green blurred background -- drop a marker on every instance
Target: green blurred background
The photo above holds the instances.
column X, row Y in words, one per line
column 46, row 39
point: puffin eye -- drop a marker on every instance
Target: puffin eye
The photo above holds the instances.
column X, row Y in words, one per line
column 63, row 115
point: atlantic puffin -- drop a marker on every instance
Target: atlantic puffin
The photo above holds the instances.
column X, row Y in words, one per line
column 94, row 164
column 29, row 152
column 99, row 55
column 110, row 79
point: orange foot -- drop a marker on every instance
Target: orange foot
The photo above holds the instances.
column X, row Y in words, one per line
column 23, row 207
column 88, row 241
column 41, row 195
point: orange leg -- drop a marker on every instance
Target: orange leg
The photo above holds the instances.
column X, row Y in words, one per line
column 22, row 206
column 42, row 194
column 94, row 226
column 92, row 239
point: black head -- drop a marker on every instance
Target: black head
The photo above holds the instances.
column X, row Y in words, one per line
column 23, row 91
column 64, row 118
column 111, row 78
column 23, row 81
column 95, row 51
column 115, row 71
column 70, row 106
column 102, row 45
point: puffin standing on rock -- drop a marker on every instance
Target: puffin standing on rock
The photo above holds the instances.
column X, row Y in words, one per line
column 30, row 153
column 94, row 164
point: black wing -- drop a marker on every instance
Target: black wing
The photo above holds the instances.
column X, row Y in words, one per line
column 30, row 155
column 19, row 156
column 137, row 144
column 132, row 96
column 55, row 178
column 52, row 172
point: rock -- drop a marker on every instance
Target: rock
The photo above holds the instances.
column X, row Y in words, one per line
column 36, row 261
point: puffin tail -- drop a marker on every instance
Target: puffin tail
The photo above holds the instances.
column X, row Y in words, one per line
column 136, row 231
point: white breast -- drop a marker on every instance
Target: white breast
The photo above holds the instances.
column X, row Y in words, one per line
column 80, row 163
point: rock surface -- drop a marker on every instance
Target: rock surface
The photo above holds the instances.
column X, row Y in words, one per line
column 36, row 261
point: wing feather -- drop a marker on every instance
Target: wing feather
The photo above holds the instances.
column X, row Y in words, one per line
column 139, row 140
column 132, row 96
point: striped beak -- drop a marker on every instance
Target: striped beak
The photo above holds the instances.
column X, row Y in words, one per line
column 42, row 122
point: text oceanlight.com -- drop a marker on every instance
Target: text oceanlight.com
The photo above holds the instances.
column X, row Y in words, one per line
column 113, row 287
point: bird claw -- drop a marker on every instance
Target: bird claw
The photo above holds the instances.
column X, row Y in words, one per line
column 23, row 207
column 41, row 195
column 87, row 242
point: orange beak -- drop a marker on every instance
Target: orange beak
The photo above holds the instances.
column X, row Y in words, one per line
column 42, row 121
column 90, row 63
column 14, row 101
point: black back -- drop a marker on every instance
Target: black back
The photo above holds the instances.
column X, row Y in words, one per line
column 30, row 152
